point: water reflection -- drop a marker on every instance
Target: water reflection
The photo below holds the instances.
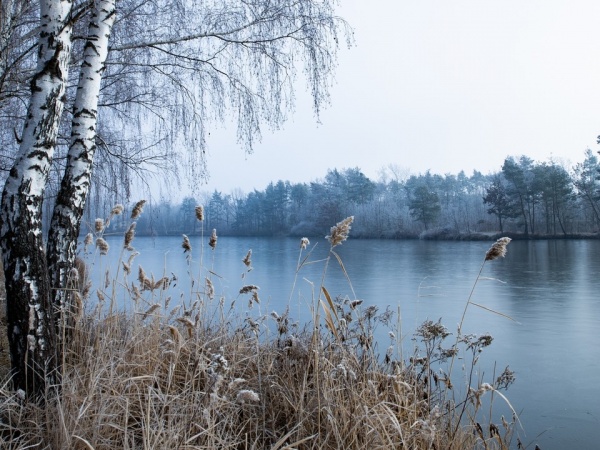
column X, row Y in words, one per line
column 549, row 288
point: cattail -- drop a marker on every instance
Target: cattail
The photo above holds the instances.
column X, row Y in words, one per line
column 213, row 239
column 99, row 225
column 339, row 232
column 129, row 236
column 248, row 259
column 498, row 250
column 247, row 396
column 304, row 242
column 137, row 209
column 187, row 247
column 102, row 245
column 199, row 213
column 118, row 209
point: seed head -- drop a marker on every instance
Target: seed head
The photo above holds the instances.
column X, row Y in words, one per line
column 248, row 259
column 199, row 213
column 498, row 250
column 118, row 209
column 102, row 245
column 247, row 396
column 187, row 247
column 129, row 236
column 99, row 225
column 339, row 232
column 137, row 209
column 304, row 242
column 213, row 239
column 210, row 289
column 249, row 288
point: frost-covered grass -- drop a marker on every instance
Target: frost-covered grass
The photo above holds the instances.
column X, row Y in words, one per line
column 177, row 377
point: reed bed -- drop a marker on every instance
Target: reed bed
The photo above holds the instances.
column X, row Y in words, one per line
column 197, row 376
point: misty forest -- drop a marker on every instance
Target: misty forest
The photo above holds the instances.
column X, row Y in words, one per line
column 525, row 199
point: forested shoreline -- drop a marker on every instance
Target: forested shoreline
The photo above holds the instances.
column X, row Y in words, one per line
column 524, row 199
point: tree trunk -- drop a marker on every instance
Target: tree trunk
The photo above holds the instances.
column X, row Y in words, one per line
column 31, row 332
column 70, row 202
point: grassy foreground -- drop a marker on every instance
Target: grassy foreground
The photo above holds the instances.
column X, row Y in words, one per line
column 187, row 378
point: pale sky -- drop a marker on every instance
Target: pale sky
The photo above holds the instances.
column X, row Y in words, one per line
column 441, row 85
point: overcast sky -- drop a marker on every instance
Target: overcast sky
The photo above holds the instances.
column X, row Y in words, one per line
column 441, row 85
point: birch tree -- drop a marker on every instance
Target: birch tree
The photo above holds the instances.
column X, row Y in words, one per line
column 29, row 313
column 75, row 186
column 173, row 70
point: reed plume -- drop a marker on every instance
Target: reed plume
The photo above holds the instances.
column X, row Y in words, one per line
column 498, row 249
column 186, row 245
column 99, row 225
column 199, row 213
column 213, row 239
column 339, row 232
column 129, row 235
column 138, row 209
column 248, row 260
column 102, row 245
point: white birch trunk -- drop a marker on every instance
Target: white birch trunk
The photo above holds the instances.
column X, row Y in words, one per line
column 30, row 326
column 70, row 203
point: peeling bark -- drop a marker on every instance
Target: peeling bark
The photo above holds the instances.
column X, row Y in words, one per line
column 31, row 333
column 75, row 185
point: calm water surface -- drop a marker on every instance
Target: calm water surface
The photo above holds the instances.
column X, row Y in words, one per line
column 550, row 288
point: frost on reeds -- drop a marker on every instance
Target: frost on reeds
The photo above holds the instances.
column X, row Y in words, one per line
column 304, row 243
column 137, row 209
column 129, row 235
column 199, row 210
column 339, row 232
column 99, row 225
column 498, row 249
column 199, row 380
column 251, row 288
column 186, row 245
column 247, row 396
column 103, row 246
column 248, row 260
column 213, row 239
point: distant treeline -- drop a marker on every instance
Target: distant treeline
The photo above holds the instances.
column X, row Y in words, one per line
column 525, row 197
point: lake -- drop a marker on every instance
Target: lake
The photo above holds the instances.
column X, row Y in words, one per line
column 550, row 288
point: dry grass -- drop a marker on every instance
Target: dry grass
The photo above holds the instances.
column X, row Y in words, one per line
column 180, row 380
